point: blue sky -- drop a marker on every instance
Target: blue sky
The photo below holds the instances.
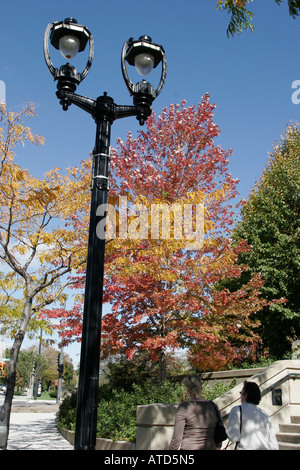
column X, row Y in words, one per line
column 249, row 77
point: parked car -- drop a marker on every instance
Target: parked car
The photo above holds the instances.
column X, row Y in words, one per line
column 2, row 388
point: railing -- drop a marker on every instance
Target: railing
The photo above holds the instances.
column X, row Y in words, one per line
column 264, row 392
column 279, row 382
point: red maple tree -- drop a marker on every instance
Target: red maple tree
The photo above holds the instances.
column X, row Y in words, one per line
column 165, row 293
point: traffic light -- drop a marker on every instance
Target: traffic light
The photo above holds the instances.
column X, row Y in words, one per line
column 60, row 367
column 1, row 369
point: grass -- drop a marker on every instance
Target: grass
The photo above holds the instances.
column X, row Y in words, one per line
column 45, row 396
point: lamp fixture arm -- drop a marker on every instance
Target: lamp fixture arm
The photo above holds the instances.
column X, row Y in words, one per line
column 103, row 106
column 125, row 111
column 87, row 104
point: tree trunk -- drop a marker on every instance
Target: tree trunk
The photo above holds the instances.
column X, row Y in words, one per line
column 11, row 381
column 162, row 367
column 162, row 355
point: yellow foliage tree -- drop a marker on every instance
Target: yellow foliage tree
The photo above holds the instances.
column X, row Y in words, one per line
column 38, row 245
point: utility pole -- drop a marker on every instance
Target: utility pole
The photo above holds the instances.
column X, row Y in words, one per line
column 37, row 369
column 60, row 368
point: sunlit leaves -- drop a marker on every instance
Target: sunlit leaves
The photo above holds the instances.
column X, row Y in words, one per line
column 38, row 242
column 241, row 18
column 12, row 133
column 164, row 296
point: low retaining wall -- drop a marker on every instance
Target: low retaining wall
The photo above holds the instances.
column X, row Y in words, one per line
column 101, row 444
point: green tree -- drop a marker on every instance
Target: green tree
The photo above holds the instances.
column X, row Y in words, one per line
column 241, row 18
column 270, row 223
column 49, row 373
column 26, row 361
column 121, row 373
column 68, row 374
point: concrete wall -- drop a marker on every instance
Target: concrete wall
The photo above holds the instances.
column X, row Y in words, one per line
column 154, row 426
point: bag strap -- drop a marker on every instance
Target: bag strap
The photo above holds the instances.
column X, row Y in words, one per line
column 217, row 412
column 240, row 426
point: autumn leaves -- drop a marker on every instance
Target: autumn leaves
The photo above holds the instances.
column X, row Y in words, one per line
column 168, row 249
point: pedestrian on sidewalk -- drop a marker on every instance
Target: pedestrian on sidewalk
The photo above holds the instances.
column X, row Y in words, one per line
column 249, row 426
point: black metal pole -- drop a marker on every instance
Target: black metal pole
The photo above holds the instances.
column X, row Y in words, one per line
column 86, row 421
column 104, row 112
column 60, row 369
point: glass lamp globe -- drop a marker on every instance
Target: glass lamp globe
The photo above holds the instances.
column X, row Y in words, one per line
column 144, row 63
column 69, row 46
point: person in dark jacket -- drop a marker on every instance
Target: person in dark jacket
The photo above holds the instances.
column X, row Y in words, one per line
column 195, row 420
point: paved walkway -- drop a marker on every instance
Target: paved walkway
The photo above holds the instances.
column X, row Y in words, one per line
column 35, row 431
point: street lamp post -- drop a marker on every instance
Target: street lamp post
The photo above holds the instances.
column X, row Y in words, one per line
column 70, row 38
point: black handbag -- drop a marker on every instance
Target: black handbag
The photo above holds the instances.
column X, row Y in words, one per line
column 220, row 432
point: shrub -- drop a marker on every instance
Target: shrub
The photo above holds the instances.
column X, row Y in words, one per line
column 117, row 408
column 117, row 417
column 67, row 412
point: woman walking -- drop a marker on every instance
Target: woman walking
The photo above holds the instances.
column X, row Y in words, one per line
column 195, row 420
column 249, row 426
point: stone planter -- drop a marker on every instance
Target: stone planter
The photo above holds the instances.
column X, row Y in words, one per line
column 101, row 444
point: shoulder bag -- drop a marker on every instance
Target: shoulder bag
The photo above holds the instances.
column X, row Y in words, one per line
column 220, row 432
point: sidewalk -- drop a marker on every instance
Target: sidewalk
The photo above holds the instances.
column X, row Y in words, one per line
column 33, row 427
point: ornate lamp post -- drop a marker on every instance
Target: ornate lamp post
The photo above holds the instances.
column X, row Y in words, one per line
column 70, row 37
